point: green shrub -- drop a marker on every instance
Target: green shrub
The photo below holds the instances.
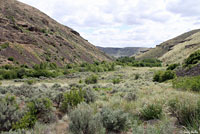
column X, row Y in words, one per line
column 91, row 79
column 116, row 80
column 41, row 108
column 114, row 120
column 71, row 99
column 130, row 61
column 8, row 74
column 10, row 58
column 162, row 76
column 172, row 66
column 194, row 58
column 27, row 121
column 40, row 105
column 151, row 111
column 44, row 73
column 187, row 83
column 83, row 121
column 30, row 82
column 9, row 112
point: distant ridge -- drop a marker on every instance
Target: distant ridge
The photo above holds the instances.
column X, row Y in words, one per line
column 174, row 50
column 121, row 52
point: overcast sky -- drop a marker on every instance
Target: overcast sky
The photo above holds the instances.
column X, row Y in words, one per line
column 124, row 23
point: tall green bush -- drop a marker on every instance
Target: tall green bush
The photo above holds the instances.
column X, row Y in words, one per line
column 162, row 76
column 71, row 99
column 151, row 111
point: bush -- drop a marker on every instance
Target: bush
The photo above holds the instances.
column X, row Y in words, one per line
column 89, row 95
column 8, row 74
column 40, row 105
column 151, row 111
column 162, row 76
column 187, row 83
column 130, row 61
column 91, row 79
column 83, row 121
column 38, row 109
column 9, row 112
column 10, row 58
column 172, row 66
column 114, row 120
column 194, row 58
column 27, row 121
column 137, row 76
column 116, row 80
column 71, row 99
column 30, row 82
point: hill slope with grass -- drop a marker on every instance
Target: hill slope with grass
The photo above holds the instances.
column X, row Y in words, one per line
column 28, row 36
column 121, row 52
column 174, row 50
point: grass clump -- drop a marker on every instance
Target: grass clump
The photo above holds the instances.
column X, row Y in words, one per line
column 93, row 79
column 187, row 83
column 130, row 96
column 137, row 76
column 116, row 80
column 151, row 111
column 162, row 76
column 114, row 120
column 163, row 128
column 84, row 121
column 187, row 111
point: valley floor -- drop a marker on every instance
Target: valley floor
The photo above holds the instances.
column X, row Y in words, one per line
column 134, row 91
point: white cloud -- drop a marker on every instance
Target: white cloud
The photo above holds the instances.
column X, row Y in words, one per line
column 121, row 23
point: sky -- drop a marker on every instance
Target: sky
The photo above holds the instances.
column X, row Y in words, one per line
column 124, row 23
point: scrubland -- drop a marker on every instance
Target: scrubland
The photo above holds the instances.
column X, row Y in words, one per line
column 125, row 101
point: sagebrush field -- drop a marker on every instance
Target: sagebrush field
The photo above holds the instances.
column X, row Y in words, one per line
column 125, row 100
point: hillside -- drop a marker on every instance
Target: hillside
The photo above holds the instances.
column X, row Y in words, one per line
column 29, row 36
column 175, row 50
column 121, row 52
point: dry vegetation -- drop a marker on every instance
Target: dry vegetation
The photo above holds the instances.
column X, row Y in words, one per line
column 134, row 105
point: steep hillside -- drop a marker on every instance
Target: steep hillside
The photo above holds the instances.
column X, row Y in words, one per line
column 29, row 36
column 121, row 52
column 176, row 49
